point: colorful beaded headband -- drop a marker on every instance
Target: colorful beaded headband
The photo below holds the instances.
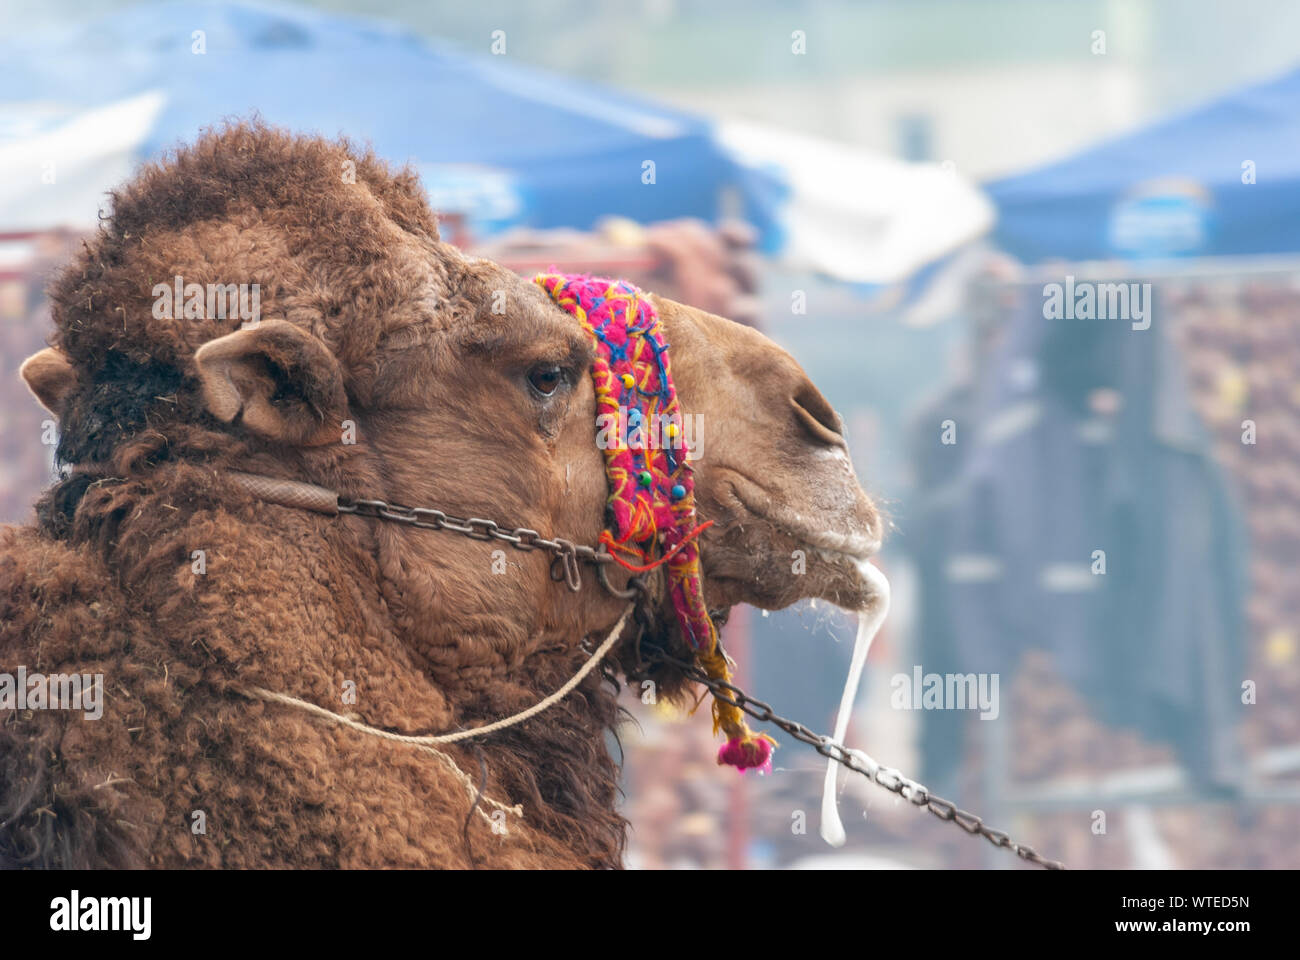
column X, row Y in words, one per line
column 652, row 490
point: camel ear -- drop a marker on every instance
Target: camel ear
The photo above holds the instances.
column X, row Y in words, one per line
column 49, row 377
column 284, row 381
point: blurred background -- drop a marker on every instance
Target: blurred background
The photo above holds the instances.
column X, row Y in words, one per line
column 1098, row 510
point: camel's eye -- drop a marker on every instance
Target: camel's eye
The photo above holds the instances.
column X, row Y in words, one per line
column 545, row 379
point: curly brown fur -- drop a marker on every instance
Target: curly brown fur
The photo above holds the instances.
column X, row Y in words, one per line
column 287, row 601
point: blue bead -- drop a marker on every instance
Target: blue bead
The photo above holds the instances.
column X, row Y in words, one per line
column 678, row 491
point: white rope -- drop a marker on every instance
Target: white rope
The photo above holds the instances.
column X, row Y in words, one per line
column 426, row 742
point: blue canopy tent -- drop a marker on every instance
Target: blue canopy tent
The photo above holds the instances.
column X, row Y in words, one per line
column 499, row 141
column 493, row 140
column 1221, row 180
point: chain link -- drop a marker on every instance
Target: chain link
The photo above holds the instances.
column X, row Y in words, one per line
column 566, row 555
column 857, row 761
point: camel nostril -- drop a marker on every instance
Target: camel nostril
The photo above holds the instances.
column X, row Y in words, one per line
column 817, row 416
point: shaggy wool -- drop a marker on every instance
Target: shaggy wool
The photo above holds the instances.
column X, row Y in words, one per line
column 182, row 772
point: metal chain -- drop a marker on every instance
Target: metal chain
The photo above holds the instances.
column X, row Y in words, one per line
column 564, row 566
column 886, row 777
column 566, row 553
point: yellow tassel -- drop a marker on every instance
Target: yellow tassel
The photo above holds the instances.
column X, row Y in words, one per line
column 727, row 718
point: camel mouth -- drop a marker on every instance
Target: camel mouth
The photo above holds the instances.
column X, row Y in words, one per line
column 782, row 538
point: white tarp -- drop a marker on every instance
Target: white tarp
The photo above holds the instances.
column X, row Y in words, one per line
column 58, row 177
column 856, row 215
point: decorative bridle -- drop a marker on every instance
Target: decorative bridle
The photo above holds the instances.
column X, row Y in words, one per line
column 651, row 505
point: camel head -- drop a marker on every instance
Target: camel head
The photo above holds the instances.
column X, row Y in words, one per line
column 348, row 346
